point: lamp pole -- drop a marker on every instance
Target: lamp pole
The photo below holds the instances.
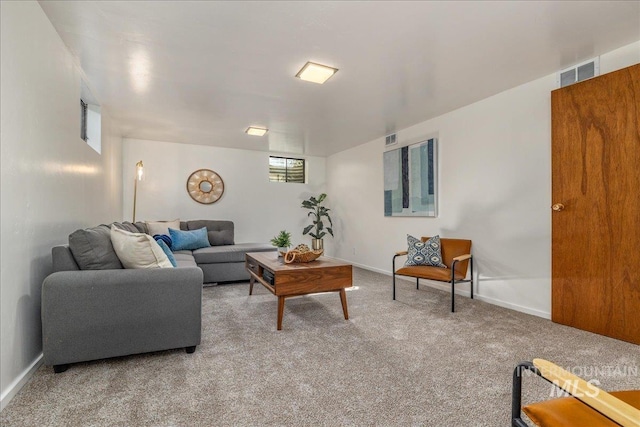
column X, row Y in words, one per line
column 138, row 177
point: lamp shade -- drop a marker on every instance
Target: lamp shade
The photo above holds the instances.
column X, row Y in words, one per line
column 139, row 171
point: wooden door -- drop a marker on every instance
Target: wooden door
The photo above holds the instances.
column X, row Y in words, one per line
column 596, row 212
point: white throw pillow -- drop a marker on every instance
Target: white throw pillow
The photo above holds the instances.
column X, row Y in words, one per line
column 138, row 250
column 162, row 227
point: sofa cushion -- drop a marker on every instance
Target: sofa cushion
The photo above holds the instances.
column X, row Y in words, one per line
column 228, row 253
column 162, row 227
column 126, row 226
column 220, row 238
column 138, row 250
column 185, row 260
column 141, row 226
column 218, row 232
column 188, row 240
column 63, row 259
column 92, row 249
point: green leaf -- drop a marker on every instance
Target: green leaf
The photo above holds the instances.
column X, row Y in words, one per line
column 282, row 240
column 317, row 211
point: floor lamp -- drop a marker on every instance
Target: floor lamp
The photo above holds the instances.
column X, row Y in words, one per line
column 138, row 177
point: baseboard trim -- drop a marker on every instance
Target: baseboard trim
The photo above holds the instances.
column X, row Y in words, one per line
column 446, row 287
column 19, row 382
column 516, row 307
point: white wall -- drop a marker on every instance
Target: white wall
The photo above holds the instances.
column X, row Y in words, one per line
column 52, row 181
column 494, row 188
column 259, row 208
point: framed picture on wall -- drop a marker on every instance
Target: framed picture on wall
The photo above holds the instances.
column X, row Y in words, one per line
column 410, row 180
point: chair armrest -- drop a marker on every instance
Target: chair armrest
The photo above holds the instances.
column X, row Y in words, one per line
column 401, row 253
column 462, row 257
column 608, row 405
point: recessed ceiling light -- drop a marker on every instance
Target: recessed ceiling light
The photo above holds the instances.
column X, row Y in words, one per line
column 316, row 73
column 256, row 131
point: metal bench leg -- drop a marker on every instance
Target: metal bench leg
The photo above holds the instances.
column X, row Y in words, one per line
column 453, row 296
column 417, row 283
column 393, row 271
column 394, row 285
column 471, row 261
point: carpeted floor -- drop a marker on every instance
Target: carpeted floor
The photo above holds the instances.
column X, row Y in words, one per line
column 404, row 362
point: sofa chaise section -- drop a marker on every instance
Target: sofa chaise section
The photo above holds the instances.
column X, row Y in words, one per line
column 89, row 315
column 226, row 263
column 96, row 314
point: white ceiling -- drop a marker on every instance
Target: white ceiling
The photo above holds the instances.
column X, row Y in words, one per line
column 202, row 72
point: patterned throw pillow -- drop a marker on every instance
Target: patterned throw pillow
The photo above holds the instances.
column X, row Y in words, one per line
column 424, row 253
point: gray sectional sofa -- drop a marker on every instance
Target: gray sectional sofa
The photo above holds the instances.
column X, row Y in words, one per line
column 103, row 310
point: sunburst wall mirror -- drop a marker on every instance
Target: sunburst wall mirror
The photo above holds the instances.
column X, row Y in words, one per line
column 205, row 186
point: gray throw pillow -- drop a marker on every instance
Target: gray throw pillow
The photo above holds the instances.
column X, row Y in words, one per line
column 141, row 226
column 126, row 226
column 92, row 249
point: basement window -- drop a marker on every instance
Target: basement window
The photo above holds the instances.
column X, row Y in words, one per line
column 90, row 119
column 285, row 169
column 83, row 120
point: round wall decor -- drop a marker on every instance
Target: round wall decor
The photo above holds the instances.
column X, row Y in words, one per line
column 205, row 186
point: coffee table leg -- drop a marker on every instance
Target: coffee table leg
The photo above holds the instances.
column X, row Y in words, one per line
column 251, row 280
column 280, row 312
column 343, row 300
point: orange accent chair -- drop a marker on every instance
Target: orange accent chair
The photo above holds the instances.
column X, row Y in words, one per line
column 456, row 255
column 588, row 406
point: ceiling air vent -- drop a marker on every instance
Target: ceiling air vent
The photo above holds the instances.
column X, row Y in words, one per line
column 390, row 139
column 578, row 73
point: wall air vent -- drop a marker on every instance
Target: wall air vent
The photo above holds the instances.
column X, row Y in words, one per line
column 578, row 73
column 390, row 139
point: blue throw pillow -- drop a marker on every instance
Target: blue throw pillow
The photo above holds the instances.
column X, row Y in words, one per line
column 424, row 253
column 167, row 251
column 166, row 239
column 189, row 240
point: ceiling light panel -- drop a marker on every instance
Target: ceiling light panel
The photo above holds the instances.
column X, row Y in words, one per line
column 316, row 73
column 256, row 131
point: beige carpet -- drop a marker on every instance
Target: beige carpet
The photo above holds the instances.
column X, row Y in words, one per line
column 408, row 362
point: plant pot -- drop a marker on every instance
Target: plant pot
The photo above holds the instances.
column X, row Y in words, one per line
column 317, row 244
column 282, row 250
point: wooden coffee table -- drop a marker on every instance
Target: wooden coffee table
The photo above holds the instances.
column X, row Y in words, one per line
column 295, row 279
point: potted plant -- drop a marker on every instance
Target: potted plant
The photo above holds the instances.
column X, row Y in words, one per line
column 282, row 241
column 317, row 212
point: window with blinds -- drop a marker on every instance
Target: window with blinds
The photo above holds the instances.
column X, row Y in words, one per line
column 284, row 169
